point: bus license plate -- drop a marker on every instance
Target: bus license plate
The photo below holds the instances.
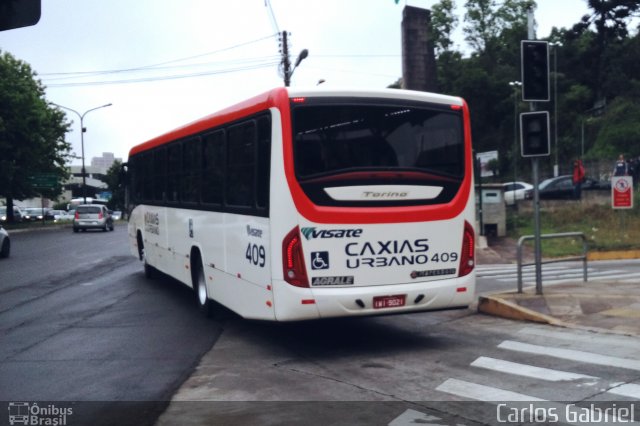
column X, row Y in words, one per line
column 395, row 301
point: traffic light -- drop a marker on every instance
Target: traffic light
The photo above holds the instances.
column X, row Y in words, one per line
column 19, row 13
column 534, row 134
column 535, row 70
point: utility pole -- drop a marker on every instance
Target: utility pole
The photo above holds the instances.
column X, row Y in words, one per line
column 287, row 70
column 286, row 64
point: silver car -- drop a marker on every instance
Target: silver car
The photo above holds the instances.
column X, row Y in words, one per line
column 5, row 243
column 92, row 216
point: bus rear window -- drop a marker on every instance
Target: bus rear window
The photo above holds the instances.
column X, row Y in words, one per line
column 359, row 145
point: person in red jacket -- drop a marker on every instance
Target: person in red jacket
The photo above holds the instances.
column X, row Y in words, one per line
column 578, row 178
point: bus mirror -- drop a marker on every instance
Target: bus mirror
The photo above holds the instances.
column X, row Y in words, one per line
column 19, row 13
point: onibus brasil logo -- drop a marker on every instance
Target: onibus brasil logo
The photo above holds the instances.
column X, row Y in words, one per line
column 26, row 413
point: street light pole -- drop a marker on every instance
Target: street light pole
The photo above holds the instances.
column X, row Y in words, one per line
column 555, row 46
column 82, row 130
column 286, row 64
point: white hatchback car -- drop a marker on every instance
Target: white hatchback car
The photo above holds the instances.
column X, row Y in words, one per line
column 92, row 216
column 514, row 191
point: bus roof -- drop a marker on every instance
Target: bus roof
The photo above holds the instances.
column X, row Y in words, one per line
column 280, row 97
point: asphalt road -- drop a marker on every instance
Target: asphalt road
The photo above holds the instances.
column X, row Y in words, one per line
column 82, row 329
column 79, row 322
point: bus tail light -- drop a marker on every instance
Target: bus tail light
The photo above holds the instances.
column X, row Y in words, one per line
column 468, row 256
column 295, row 272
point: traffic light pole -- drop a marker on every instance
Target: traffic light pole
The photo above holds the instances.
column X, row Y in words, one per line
column 536, row 225
column 536, row 180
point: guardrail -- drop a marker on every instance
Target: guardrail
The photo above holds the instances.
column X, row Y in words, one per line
column 583, row 257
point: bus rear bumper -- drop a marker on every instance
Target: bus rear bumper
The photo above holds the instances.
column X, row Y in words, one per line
column 294, row 303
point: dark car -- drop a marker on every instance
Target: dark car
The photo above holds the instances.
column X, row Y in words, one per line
column 561, row 187
column 36, row 213
column 92, row 216
column 17, row 214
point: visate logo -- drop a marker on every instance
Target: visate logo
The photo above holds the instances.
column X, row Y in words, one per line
column 311, row 233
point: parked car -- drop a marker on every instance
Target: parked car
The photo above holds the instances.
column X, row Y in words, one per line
column 116, row 215
column 61, row 216
column 5, row 243
column 561, row 187
column 92, row 216
column 514, row 191
column 36, row 213
column 17, row 214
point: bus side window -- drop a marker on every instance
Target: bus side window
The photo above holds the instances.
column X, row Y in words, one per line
column 190, row 182
column 241, row 164
column 160, row 174
column 263, row 162
column 174, row 172
column 213, row 168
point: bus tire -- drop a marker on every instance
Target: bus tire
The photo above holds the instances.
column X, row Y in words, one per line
column 149, row 271
column 205, row 305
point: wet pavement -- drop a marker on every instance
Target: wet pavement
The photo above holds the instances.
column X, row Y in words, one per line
column 611, row 306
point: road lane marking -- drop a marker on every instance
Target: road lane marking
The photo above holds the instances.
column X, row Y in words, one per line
column 529, row 370
column 482, row 393
column 573, row 355
column 413, row 417
column 604, row 340
column 630, row 390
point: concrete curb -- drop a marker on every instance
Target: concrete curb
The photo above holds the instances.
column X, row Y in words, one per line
column 613, row 255
column 500, row 307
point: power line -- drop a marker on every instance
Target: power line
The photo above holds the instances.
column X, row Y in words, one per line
column 152, row 66
column 272, row 16
column 247, row 61
column 168, row 77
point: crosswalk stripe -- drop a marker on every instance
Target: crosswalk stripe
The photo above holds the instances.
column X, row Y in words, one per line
column 482, row 393
column 603, row 277
column 558, row 275
column 562, row 273
column 603, row 340
column 573, row 355
column 528, row 370
column 630, row 390
column 412, row 417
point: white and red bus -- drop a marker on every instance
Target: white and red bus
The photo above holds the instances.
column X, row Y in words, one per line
column 305, row 204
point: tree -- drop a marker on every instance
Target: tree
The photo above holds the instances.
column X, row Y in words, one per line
column 487, row 20
column 610, row 19
column 443, row 22
column 31, row 133
column 619, row 130
column 115, row 183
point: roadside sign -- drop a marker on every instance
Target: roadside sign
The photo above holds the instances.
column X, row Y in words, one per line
column 43, row 180
column 622, row 192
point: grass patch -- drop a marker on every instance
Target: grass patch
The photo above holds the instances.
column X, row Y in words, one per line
column 604, row 228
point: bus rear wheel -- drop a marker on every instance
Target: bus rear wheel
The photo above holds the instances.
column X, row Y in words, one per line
column 205, row 305
column 149, row 271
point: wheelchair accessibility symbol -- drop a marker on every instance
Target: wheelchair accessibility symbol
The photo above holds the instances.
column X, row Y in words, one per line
column 320, row 260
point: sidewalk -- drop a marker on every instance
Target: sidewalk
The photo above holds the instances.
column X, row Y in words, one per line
column 599, row 306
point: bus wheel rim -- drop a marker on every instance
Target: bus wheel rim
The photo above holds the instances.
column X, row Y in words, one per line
column 202, row 291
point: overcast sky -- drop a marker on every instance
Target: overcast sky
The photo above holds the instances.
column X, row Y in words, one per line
column 228, row 48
